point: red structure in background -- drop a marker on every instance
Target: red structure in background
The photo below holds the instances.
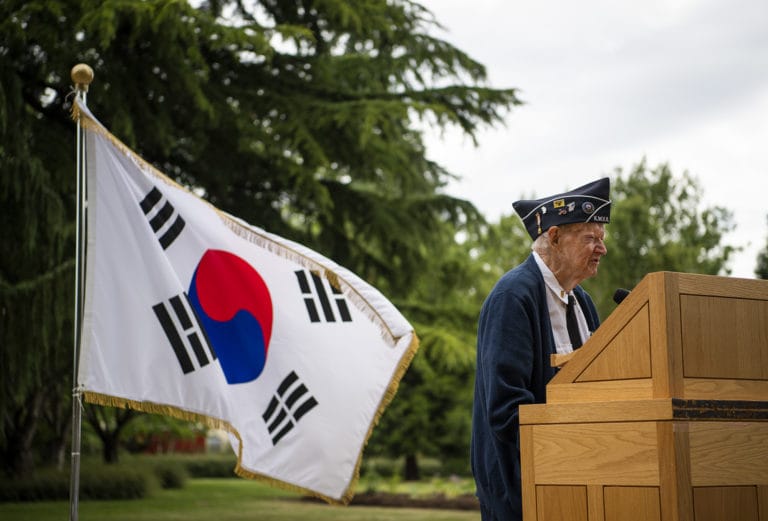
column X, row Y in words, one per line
column 165, row 443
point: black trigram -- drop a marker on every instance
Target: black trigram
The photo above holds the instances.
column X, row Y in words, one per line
column 320, row 294
column 290, row 402
column 162, row 214
column 180, row 324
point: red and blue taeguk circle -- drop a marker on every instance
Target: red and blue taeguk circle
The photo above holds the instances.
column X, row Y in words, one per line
column 234, row 307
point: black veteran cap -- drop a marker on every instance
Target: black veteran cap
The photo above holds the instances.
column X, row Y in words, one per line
column 588, row 203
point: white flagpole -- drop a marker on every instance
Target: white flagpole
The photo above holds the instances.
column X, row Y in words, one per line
column 82, row 76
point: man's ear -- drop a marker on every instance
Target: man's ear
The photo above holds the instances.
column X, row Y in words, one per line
column 554, row 234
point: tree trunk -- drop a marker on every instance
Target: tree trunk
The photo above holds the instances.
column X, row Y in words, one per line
column 108, row 422
column 411, row 470
column 55, row 452
column 58, row 416
column 20, row 426
column 109, row 447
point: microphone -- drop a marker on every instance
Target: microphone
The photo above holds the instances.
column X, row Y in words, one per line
column 620, row 295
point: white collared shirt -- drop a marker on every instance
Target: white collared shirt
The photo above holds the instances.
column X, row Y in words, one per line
column 557, row 300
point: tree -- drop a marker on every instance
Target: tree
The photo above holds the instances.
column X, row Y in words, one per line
column 433, row 418
column 658, row 224
column 501, row 247
column 429, row 416
column 762, row 263
column 36, row 267
column 295, row 115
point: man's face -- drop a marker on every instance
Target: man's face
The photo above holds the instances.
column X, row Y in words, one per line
column 582, row 246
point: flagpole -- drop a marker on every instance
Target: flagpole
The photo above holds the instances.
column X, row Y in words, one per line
column 82, row 76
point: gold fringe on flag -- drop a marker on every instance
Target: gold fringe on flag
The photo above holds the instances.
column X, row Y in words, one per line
column 216, row 423
column 389, row 395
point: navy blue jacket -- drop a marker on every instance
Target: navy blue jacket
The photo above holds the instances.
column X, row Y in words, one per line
column 514, row 343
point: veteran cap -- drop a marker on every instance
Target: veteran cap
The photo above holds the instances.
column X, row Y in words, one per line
column 588, row 203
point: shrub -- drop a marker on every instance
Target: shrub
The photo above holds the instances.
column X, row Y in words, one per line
column 96, row 482
column 42, row 486
column 116, row 482
column 430, row 467
column 212, row 466
column 381, row 467
column 172, row 474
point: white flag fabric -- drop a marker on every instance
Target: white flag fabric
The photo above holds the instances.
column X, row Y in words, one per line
column 193, row 313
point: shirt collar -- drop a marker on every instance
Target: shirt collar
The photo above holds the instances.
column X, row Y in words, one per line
column 550, row 280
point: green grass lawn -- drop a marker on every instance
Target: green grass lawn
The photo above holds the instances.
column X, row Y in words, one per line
column 449, row 487
column 223, row 500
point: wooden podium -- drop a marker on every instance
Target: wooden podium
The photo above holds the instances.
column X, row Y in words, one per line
column 662, row 415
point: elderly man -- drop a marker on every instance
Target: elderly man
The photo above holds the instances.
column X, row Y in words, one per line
column 534, row 310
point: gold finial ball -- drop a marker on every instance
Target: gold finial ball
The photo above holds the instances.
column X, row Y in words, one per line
column 82, row 75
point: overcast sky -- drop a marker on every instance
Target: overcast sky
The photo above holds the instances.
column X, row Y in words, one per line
column 608, row 83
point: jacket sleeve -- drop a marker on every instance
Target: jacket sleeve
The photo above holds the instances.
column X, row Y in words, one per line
column 506, row 339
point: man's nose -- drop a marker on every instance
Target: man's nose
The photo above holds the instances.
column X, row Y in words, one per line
column 602, row 249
